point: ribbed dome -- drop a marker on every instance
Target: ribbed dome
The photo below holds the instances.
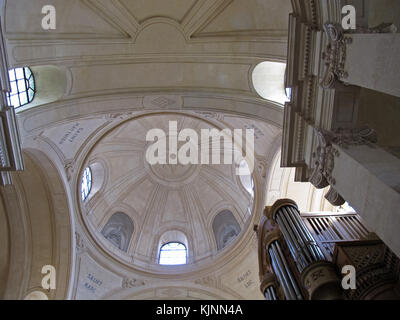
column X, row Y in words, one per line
column 135, row 207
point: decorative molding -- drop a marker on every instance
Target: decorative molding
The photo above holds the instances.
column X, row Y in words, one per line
column 334, row 55
column 325, row 153
column 69, row 168
column 128, row 283
column 376, row 265
column 355, row 137
column 262, row 166
column 162, row 102
column 210, row 281
column 382, row 28
column 79, row 243
column 211, row 115
column 324, row 160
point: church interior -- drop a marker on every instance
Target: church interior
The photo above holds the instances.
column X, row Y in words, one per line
column 84, row 214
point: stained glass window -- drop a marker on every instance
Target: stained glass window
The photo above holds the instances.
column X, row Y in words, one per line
column 22, row 84
column 173, row 253
column 86, row 185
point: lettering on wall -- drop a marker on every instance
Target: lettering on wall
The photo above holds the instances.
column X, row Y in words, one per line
column 92, row 283
column 244, row 279
column 71, row 135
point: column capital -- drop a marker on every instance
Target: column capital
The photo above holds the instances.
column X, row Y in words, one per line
column 334, row 55
column 326, row 152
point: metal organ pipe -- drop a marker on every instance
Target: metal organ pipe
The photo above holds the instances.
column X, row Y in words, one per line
column 298, row 238
column 282, row 270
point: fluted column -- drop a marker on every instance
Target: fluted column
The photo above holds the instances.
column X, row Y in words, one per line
column 319, row 277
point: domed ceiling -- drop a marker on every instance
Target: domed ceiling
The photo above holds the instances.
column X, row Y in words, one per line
column 165, row 202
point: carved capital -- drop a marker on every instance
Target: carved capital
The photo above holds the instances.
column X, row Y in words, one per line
column 334, row 55
column 324, row 161
column 325, row 154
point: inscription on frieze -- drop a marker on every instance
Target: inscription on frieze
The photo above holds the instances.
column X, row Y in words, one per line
column 244, row 279
column 71, row 135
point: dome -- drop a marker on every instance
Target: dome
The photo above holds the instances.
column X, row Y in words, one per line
column 134, row 207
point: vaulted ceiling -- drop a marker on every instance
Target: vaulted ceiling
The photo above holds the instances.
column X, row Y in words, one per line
column 123, row 59
column 116, row 47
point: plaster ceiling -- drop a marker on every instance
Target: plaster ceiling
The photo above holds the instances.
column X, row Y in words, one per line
column 135, row 56
column 161, row 198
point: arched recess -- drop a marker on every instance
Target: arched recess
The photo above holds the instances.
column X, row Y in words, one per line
column 39, row 230
column 225, row 228
column 51, row 84
column 119, row 230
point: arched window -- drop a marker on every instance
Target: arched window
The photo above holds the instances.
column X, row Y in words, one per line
column 225, row 228
column 22, row 85
column 268, row 81
column 118, row 230
column 86, row 184
column 247, row 179
column 173, row 253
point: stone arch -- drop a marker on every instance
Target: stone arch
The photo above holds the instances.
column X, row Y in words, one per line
column 39, row 229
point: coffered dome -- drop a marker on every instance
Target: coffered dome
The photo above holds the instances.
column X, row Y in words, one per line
column 134, row 208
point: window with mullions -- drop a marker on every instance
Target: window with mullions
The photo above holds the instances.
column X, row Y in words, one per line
column 22, row 85
column 173, row 253
column 86, row 185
